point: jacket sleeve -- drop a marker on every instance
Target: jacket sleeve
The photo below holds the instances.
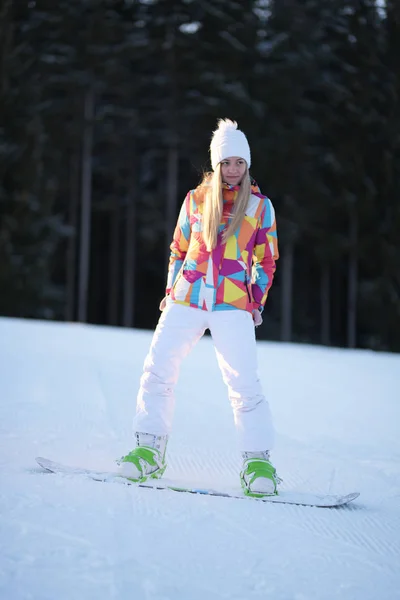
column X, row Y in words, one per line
column 265, row 255
column 180, row 244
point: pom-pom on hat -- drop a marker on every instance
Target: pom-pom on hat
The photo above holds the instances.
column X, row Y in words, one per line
column 228, row 141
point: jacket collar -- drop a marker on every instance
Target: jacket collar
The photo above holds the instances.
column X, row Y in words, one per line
column 235, row 188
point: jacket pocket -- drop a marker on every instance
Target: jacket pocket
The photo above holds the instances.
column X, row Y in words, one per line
column 191, row 276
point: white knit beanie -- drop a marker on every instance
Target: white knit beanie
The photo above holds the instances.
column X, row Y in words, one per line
column 228, row 141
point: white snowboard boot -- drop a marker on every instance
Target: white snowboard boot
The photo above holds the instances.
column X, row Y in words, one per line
column 147, row 460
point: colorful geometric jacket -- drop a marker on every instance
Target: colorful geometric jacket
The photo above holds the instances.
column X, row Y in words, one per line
column 235, row 275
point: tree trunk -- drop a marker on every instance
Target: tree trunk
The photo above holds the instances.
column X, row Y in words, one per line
column 325, row 305
column 130, row 247
column 86, row 205
column 352, row 281
column 173, row 154
column 287, row 284
column 73, row 238
column 6, row 39
column 171, row 193
column 114, row 262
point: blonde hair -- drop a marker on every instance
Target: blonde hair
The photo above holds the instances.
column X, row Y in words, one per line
column 211, row 185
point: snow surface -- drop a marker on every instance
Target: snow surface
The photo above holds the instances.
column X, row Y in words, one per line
column 67, row 392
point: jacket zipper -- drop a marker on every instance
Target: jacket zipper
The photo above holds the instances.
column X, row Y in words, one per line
column 247, row 287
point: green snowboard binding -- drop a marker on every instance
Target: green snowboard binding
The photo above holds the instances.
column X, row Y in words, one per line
column 258, row 476
column 146, row 461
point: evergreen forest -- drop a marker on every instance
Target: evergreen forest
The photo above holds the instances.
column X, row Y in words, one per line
column 106, row 115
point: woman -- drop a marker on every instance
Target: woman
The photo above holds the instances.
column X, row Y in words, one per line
column 221, row 268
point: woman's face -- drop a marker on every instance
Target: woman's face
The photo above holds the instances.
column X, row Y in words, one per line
column 233, row 169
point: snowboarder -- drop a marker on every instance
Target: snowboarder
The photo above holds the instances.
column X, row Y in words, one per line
column 221, row 268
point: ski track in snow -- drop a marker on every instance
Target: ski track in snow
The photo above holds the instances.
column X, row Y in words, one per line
column 337, row 526
column 68, row 391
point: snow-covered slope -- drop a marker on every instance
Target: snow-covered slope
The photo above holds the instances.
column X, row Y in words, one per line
column 67, row 391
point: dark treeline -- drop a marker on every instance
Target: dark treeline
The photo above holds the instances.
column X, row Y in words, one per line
column 106, row 113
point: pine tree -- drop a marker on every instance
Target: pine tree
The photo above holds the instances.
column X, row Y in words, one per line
column 31, row 227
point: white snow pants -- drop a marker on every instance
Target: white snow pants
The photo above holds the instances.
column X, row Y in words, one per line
column 178, row 330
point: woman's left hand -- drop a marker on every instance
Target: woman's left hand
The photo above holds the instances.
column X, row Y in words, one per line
column 257, row 318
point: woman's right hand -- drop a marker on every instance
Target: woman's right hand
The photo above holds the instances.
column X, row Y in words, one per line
column 163, row 303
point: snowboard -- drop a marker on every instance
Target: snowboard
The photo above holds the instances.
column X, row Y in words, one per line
column 284, row 497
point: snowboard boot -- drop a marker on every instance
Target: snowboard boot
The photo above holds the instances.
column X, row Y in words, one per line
column 258, row 476
column 147, row 460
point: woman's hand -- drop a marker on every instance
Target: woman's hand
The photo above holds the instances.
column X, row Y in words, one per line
column 257, row 318
column 163, row 303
